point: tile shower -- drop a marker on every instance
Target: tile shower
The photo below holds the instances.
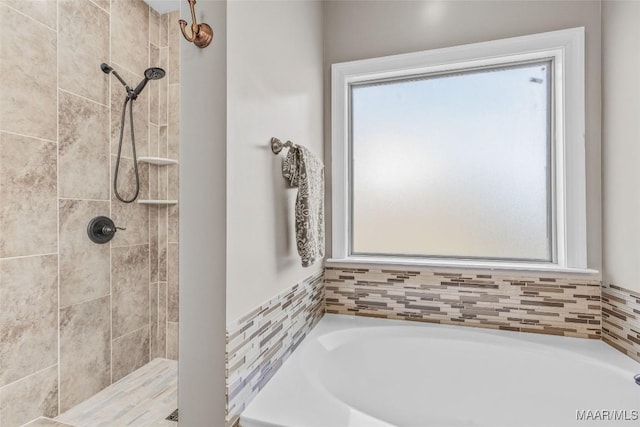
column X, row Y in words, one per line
column 76, row 316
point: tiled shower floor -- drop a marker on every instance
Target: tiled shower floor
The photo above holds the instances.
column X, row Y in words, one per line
column 144, row 398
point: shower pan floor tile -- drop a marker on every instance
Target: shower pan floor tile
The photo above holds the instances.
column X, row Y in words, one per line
column 46, row 422
column 144, row 398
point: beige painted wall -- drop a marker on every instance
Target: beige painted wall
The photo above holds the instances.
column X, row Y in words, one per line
column 201, row 380
column 620, row 142
column 274, row 89
column 365, row 29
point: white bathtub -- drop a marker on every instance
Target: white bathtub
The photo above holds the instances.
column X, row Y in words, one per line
column 361, row 372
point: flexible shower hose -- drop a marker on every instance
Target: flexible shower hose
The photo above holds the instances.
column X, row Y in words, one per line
column 133, row 148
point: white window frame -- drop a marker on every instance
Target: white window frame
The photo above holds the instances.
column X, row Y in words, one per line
column 566, row 49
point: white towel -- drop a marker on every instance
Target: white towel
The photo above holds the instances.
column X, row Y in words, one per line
column 302, row 169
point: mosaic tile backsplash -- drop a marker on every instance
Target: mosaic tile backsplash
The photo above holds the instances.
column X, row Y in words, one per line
column 548, row 305
column 259, row 342
column 621, row 319
column 576, row 306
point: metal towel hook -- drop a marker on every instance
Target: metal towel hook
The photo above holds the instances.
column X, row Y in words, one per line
column 201, row 34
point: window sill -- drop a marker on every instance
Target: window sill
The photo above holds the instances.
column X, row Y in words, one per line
column 461, row 264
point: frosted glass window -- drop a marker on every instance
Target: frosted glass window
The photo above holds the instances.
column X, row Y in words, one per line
column 455, row 165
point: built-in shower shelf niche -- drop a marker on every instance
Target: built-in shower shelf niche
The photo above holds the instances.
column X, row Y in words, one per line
column 161, row 161
column 158, row 202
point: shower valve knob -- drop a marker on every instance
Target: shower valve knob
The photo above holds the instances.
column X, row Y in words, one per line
column 106, row 230
column 101, row 229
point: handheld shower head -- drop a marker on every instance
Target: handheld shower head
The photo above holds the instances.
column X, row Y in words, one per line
column 153, row 73
column 107, row 69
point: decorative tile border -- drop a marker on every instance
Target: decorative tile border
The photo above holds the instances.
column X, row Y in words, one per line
column 568, row 306
column 621, row 319
column 259, row 342
column 576, row 306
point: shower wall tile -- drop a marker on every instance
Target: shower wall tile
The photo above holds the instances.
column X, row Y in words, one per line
column 173, row 120
column 140, row 114
column 153, row 244
column 85, row 351
column 173, row 225
column 162, row 243
column 28, row 61
column 29, row 398
column 172, row 283
column 260, row 341
column 163, row 135
column 130, row 288
column 83, row 46
column 153, row 181
column 154, row 170
column 143, row 170
column 83, row 148
column 28, row 316
column 172, row 340
column 85, row 273
column 164, row 256
column 154, row 28
column 562, row 305
column 154, row 173
column 154, row 139
column 104, row 4
column 173, row 182
column 165, row 22
column 162, row 320
column 130, row 34
column 132, row 216
column 43, row 11
column 174, row 35
column 28, row 190
column 163, row 87
column 621, row 319
column 163, row 182
column 154, row 90
column 153, row 320
column 130, row 352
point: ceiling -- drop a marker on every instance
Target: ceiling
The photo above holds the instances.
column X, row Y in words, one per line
column 164, row 6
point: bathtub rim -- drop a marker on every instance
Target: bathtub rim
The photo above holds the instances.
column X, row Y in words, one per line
column 252, row 416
